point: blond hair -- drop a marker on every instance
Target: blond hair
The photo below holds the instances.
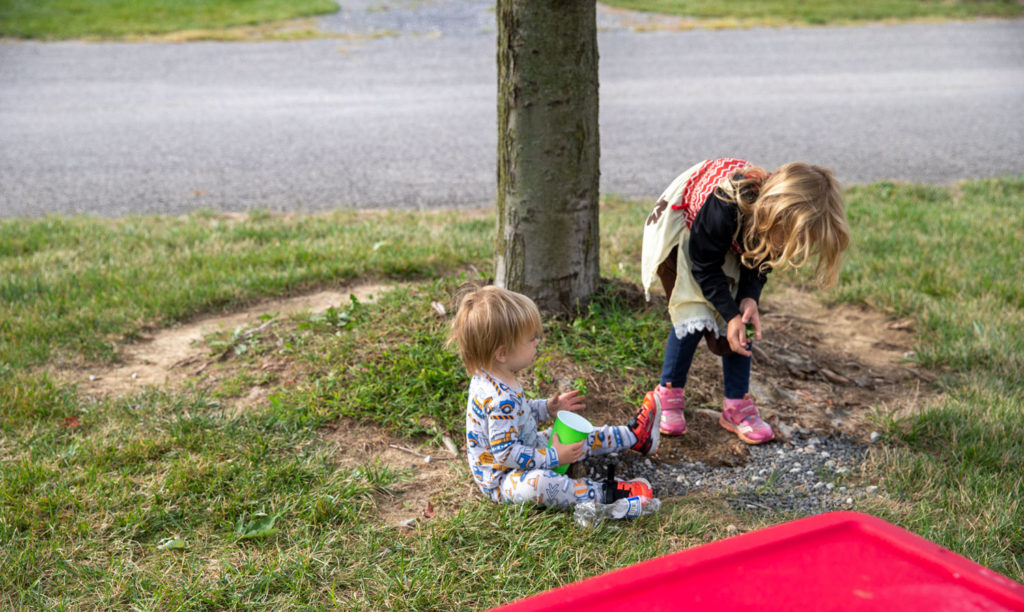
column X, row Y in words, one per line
column 791, row 214
column 489, row 318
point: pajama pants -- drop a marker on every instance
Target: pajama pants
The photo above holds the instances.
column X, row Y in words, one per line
column 549, row 488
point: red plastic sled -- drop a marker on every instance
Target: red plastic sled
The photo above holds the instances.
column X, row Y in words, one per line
column 834, row 561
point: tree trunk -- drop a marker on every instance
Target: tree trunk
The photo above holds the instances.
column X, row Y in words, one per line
column 548, row 151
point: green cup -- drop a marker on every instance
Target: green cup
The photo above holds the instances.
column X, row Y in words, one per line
column 571, row 428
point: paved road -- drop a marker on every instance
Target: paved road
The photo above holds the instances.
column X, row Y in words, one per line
column 408, row 120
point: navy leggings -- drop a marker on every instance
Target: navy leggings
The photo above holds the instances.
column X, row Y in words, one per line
column 679, row 356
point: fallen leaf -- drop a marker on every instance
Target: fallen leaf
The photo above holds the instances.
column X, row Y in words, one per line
column 71, row 422
column 258, row 527
column 429, row 512
column 171, row 543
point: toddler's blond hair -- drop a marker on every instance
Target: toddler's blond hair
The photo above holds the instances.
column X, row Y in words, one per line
column 489, row 318
column 792, row 213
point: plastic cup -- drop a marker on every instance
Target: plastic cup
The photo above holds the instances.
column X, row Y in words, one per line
column 571, row 428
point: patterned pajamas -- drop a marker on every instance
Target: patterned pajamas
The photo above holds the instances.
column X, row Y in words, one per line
column 549, row 488
column 509, row 458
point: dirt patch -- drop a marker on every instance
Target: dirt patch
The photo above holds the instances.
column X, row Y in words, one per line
column 428, row 488
column 830, row 368
column 171, row 356
column 818, row 369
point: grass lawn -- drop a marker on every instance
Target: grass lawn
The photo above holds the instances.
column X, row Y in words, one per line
column 64, row 19
column 725, row 13
column 256, row 506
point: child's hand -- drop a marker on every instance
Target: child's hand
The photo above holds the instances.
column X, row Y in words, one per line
column 567, row 453
column 737, row 332
column 571, row 401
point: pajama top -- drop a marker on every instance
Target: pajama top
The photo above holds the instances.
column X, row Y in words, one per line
column 501, row 432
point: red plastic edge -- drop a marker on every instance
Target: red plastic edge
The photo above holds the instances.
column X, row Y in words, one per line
column 1009, row 592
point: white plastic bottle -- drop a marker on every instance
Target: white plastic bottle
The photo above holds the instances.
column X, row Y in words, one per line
column 627, row 507
column 592, row 513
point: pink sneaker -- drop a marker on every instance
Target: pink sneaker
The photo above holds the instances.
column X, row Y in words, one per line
column 673, row 421
column 740, row 417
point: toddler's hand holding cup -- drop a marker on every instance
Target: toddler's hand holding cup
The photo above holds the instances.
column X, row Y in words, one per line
column 571, row 431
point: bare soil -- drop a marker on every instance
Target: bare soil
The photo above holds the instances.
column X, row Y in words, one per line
column 819, row 369
column 822, row 369
column 430, row 487
column 169, row 357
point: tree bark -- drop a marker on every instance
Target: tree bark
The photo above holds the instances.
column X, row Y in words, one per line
column 548, row 151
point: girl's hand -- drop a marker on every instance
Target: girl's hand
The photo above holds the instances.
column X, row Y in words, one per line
column 567, row 453
column 748, row 308
column 571, row 401
column 737, row 332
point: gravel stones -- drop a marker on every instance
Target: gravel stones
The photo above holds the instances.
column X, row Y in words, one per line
column 802, row 476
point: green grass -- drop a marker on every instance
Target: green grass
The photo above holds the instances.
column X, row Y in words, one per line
column 948, row 258
column 70, row 286
column 84, row 508
column 780, row 12
column 63, row 19
column 945, row 262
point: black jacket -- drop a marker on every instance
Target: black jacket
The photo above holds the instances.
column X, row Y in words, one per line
column 711, row 237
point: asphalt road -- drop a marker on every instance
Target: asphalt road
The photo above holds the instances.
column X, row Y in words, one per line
column 409, row 120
